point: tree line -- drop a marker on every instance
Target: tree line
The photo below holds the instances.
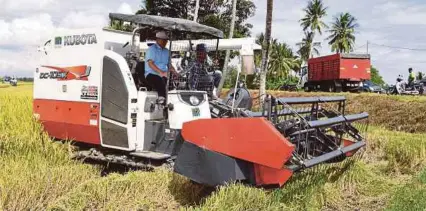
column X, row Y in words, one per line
column 24, row 79
column 283, row 63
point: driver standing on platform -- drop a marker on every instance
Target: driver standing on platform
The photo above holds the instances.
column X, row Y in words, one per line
column 157, row 65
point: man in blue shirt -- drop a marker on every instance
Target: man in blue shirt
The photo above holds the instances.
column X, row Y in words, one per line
column 157, row 64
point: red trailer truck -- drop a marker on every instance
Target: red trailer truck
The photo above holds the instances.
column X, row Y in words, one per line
column 338, row 72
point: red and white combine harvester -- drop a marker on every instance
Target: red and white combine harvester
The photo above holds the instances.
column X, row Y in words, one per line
column 84, row 91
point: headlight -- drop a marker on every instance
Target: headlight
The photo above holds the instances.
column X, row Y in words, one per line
column 194, row 100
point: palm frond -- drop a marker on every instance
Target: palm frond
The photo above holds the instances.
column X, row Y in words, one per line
column 342, row 32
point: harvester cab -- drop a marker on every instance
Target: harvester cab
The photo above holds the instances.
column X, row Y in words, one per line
column 90, row 87
column 13, row 81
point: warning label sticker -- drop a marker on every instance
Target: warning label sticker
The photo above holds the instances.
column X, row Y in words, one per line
column 89, row 93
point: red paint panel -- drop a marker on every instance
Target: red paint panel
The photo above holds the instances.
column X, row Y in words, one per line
column 69, row 120
column 270, row 176
column 348, row 143
column 83, row 133
column 355, row 69
column 324, row 68
column 54, row 129
column 252, row 139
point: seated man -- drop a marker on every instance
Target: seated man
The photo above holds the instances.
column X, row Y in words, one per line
column 157, row 65
column 199, row 71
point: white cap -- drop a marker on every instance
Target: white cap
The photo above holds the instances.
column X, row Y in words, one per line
column 162, row 35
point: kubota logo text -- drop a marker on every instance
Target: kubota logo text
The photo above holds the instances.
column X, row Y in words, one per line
column 80, row 39
column 67, row 73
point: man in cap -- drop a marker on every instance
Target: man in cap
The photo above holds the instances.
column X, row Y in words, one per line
column 157, row 65
column 199, row 69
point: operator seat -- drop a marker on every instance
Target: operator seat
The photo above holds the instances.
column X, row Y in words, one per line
column 140, row 72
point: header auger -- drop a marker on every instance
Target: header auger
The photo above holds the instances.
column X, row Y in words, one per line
column 115, row 116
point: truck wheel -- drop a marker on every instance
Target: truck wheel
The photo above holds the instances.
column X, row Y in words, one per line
column 331, row 87
column 338, row 86
column 306, row 87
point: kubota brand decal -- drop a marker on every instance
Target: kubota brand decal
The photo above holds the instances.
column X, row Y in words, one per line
column 67, row 73
column 80, row 39
column 58, row 42
column 89, row 93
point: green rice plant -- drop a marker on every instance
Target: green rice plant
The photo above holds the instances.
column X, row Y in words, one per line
column 410, row 196
column 159, row 190
column 34, row 171
column 239, row 197
column 405, row 152
column 38, row 174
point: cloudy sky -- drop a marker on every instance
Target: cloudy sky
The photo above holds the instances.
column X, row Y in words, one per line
column 398, row 24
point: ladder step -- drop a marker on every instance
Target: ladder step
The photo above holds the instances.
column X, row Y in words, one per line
column 151, row 155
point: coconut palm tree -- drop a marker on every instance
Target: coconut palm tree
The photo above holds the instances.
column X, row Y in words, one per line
column 315, row 12
column 265, row 47
column 308, row 48
column 313, row 21
column 260, row 38
column 282, row 61
column 342, row 31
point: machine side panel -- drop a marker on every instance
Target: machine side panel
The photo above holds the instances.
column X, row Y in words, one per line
column 114, row 92
column 66, row 83
column 80, row 122
column 154, row 134
column 118, row 102
column 251, row 139
column 184, row 111
column 211, row 168
column 114, row 135
column 70, row 67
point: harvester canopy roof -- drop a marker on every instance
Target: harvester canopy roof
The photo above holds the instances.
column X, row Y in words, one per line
column 168, row 23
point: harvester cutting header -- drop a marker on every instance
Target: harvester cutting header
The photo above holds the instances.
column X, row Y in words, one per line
column 95, row 92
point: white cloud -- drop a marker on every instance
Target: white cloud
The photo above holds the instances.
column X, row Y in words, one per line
column 20, row 62
column 22, row 6
column 25, row 31
column 411, row 17
column 83, row 20
column 25, row 24
column 125, row 9
column 5, row 32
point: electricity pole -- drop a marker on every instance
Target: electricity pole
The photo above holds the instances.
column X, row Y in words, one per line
column 367, row 46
